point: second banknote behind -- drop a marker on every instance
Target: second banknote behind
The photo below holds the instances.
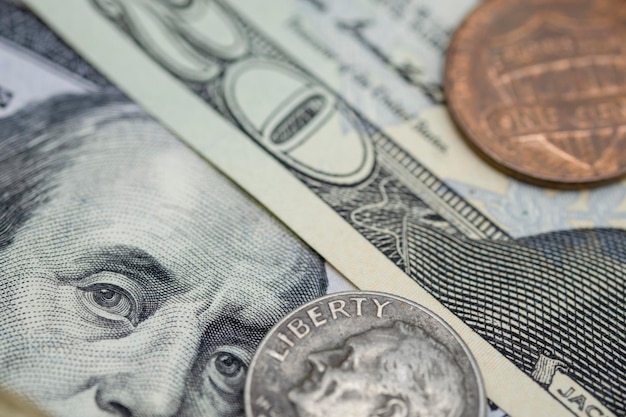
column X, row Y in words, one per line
column 304, row 104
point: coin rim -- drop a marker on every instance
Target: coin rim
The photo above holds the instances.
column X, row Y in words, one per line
column 482, row 406
column 493, row 158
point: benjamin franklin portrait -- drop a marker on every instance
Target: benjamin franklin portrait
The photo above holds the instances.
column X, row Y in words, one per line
column 136, row 279
column 397, row 371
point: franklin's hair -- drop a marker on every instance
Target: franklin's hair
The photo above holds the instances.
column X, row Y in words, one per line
column 34, row 144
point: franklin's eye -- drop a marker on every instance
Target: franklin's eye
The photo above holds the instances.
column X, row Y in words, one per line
column 227, row 372
column 228, row 365
column 110, row 298
column 110, row 301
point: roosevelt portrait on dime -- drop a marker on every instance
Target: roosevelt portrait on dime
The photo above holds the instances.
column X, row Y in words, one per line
column 136, row 279
column 397, row 371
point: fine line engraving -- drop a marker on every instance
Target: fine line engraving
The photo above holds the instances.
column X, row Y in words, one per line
column 137, row 280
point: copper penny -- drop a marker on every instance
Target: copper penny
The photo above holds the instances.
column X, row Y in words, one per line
column 539, row 87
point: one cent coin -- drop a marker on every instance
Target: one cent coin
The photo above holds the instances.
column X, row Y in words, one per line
column 363, row 354
column 539, row 87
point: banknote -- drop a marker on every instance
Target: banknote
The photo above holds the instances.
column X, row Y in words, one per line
column 331, row 113
column 137, row 279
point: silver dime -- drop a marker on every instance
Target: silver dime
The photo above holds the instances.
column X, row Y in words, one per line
column 363, row 354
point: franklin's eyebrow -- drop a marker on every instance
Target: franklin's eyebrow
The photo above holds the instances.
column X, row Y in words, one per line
column 132, row 262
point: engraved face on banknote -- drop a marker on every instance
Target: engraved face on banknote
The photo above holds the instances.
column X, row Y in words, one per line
column 363, row 354
column 137, row 280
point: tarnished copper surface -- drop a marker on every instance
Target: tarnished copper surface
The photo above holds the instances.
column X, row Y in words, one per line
column 539, row 87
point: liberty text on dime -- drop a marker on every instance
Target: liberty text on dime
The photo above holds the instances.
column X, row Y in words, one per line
column 363, row 353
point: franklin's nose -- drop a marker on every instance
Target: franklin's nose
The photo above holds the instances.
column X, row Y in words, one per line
column 152, row 366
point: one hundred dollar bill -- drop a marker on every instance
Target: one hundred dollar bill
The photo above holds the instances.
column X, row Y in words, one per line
column 331, row 115
column 119, row 296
